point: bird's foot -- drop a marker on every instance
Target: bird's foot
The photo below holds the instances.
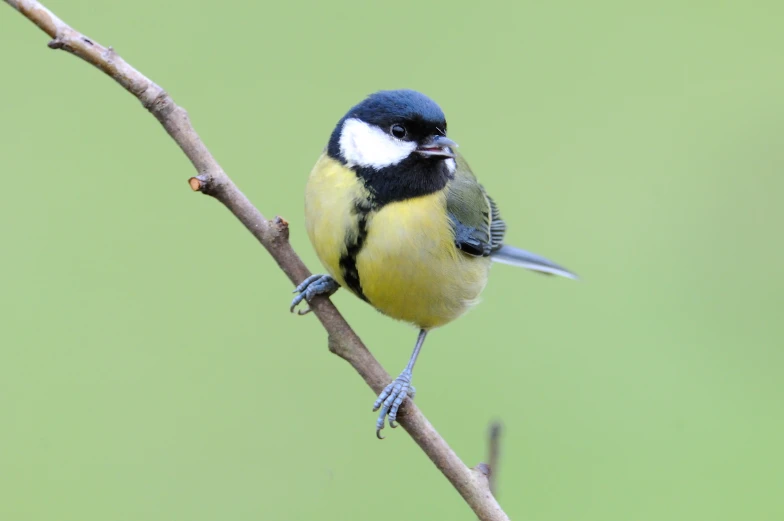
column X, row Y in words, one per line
column 390, row 400
column 311, row 287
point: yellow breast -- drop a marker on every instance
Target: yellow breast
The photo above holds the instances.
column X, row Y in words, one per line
column 408, row 266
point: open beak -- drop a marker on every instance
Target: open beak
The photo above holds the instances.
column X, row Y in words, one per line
column 437, row 146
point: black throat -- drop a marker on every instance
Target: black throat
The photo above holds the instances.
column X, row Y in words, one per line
column 415, row 176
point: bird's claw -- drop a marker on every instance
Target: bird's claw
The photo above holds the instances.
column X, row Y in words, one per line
column 390, row 399
column 311, row 287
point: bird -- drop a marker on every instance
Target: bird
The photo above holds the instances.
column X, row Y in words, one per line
column 397, row 217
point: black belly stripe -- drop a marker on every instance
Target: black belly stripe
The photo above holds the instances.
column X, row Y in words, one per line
column 354, row 244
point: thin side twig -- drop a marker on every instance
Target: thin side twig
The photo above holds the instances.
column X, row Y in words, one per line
column 490, row 469
column 494, row 453
column 472, row 484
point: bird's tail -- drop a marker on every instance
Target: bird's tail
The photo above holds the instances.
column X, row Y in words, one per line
column 525, row 259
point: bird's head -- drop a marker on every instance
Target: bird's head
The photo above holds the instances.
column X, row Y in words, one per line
column 394, row 128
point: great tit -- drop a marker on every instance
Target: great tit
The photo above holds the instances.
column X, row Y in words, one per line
column 397, row 217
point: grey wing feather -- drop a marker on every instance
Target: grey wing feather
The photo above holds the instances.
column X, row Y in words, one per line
column 525, row 259
column 497, row 225
column 515, row 256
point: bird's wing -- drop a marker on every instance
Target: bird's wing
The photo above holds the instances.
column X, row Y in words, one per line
column 479, row 229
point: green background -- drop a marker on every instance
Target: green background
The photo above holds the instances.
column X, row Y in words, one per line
column 149, row 368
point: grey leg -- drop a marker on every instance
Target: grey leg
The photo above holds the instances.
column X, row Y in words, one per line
column 392, row 397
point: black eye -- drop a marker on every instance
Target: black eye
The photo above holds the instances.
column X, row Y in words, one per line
column 398, row 130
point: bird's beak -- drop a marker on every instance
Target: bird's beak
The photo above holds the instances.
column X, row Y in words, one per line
column 437, row 146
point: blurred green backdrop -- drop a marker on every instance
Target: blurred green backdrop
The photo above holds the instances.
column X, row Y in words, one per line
column 150, row 369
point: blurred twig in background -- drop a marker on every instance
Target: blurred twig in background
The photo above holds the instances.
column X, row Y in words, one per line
column 490, row 469
column 472, row 484
column 494, row 453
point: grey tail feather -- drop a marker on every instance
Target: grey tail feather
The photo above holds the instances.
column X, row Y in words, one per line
column 525, row 259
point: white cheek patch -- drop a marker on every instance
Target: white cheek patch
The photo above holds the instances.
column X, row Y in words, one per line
column 368, row 146
column 451, row 166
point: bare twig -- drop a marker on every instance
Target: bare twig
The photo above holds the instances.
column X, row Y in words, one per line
column 472, row 484
column 494, row 453
column 490, row 469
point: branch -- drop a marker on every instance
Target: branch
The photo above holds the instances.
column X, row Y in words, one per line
column 472, row 484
